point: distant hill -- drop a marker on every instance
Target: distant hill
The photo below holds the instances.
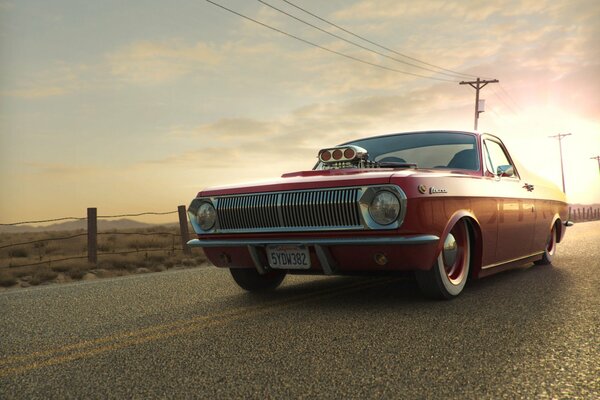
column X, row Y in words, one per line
column 103, row 225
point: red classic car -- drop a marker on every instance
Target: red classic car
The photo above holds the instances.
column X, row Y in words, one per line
column 448, row 205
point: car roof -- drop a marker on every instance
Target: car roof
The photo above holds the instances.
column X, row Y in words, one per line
column 419, row 132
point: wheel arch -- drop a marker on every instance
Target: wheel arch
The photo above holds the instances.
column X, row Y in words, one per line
column 475, row 237
column 560, row 231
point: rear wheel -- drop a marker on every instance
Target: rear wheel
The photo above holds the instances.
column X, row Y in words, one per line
column 448, row 276
column 249, row 279
column 550, row 248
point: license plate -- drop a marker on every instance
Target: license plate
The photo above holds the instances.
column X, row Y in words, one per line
column 288, row 257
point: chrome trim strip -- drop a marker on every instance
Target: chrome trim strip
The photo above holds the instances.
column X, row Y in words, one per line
column 513, row 260
column 353, row 241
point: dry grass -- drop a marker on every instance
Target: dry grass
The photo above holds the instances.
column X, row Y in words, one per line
column 142, row 255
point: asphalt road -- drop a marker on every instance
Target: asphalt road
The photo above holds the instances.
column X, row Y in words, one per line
column 528, row 333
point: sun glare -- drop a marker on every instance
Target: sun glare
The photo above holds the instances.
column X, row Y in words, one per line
column 529, row 137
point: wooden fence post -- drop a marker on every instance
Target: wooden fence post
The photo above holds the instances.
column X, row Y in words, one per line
column 92, row 231
column 183, row 229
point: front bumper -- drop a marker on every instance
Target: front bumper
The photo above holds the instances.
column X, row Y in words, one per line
column 354, row 241
column 333, row 254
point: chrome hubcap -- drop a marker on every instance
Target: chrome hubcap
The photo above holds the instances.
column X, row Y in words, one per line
column 450, row 250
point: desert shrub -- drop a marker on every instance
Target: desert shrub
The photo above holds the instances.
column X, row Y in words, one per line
column 158, row 268
column 7, row 279
column 157, row 258
column 157, row 228
column 67, row 265
column 24, row 271
column 114, row 263
column 188, row 262
column 52, row 249
column 18, row 252
column 103, row 248
column 43, row 274
column 60, row 268
column 133, row 265
column 77, row 272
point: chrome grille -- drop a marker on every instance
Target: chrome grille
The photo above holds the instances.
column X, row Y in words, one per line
column 298, row 210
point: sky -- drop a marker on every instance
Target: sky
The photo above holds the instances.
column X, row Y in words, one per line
column 136, row 106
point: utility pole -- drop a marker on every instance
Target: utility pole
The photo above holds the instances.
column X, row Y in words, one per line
column 478, row 85
column 596, row 158
column 560, row 137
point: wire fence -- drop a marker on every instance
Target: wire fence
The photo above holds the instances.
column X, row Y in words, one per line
column 83, row 218
column 92, row 235
column 575, row 214
column 584, row 214
column 42, row 241
column 44, row 221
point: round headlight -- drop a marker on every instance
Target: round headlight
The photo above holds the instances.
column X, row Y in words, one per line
column 206, row 216
column 384, row 208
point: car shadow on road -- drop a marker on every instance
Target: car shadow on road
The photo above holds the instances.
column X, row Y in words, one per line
column 536, row 286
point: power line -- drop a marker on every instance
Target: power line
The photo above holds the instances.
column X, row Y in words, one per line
column 501, row 98
column 496, row 113
column 376, row 44
column 354, row 43
column 328, row 49
column 509, row 96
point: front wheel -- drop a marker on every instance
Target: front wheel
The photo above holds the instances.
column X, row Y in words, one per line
column 549, row 250
column 249, row 279
column 448, row 276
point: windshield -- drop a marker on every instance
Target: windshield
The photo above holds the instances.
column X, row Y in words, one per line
column 426, row 149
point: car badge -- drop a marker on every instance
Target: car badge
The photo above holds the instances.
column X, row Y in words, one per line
column 433, row 190
column 422, row 189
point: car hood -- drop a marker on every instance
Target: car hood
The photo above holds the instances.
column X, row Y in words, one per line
column 323, row 179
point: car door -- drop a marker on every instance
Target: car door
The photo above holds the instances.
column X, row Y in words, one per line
column 516, row 206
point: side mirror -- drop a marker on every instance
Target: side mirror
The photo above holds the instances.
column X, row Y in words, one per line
column 505, row 171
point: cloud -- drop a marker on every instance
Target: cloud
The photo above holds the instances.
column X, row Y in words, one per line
column 295, row 137
column 36, row 92
column 464, row 10
column 237, row 128
column 59, row 79
column 140, row 63
column 58, row 170
column 6, row 5
column 149, row 63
